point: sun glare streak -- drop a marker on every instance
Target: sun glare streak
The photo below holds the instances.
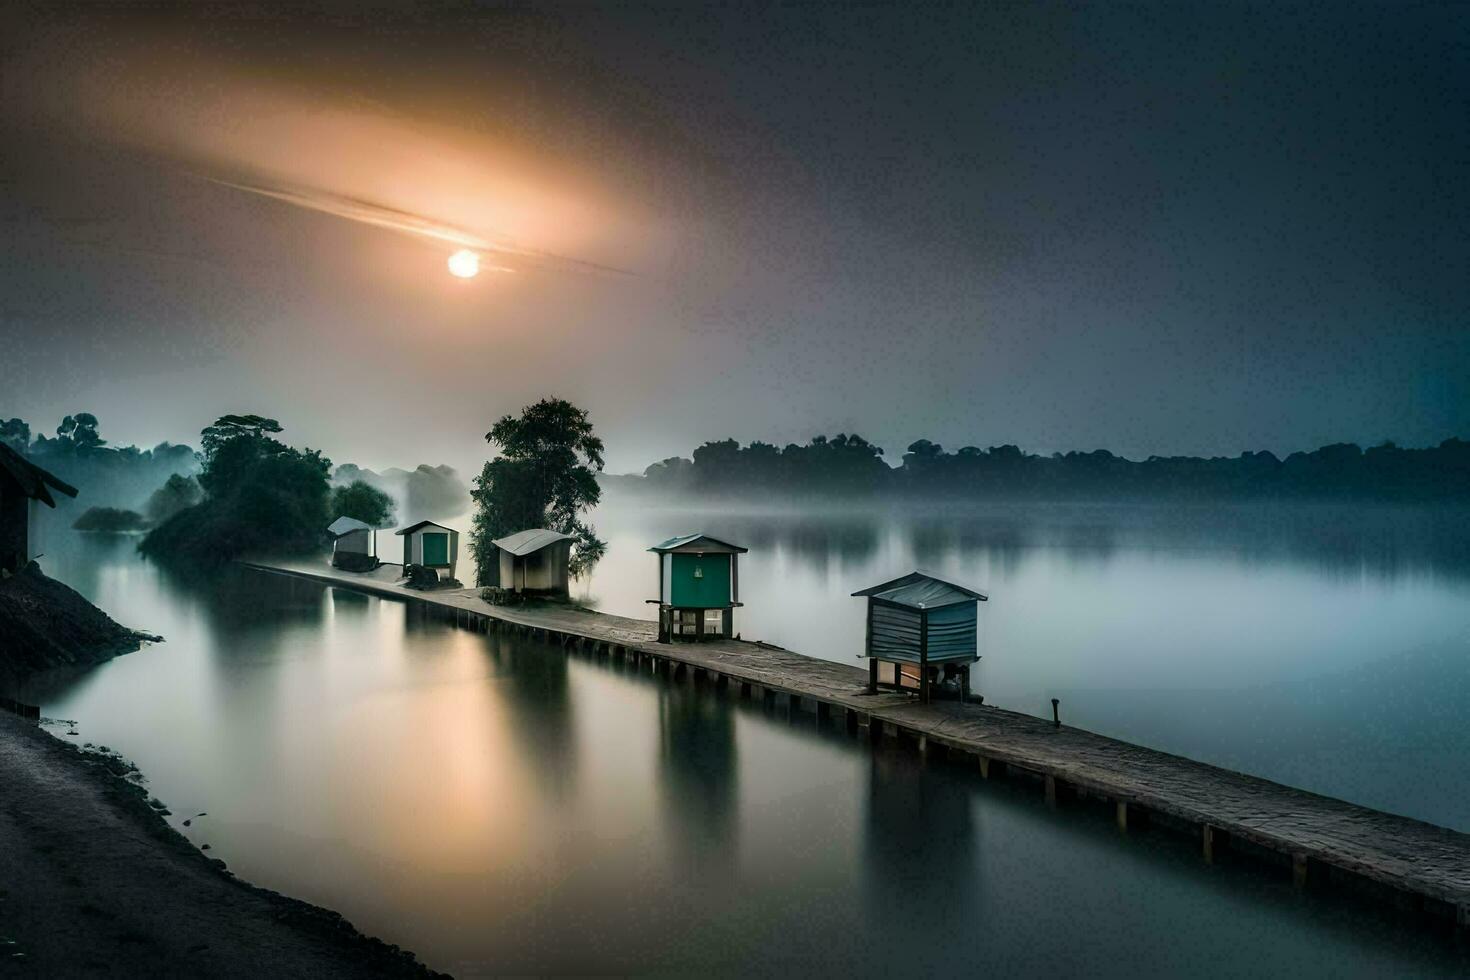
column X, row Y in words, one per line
column 393, row 219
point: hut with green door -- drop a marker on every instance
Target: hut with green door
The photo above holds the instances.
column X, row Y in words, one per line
column 923, row 632
column 698, row 587
column 430, row 545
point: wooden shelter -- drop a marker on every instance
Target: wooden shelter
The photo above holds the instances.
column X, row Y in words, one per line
column 353, row 541
column 533, row 561
column 925, row 628
column 430, row 545
column 698, row 587
column 22, row 481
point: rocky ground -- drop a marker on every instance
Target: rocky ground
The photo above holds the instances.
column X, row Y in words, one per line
column 45, row 624
column 93, row 882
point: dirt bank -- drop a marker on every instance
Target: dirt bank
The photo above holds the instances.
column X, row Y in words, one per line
column 45, row 624
column 93, row 882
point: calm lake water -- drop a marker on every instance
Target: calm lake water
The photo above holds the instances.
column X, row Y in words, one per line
column 500, row 808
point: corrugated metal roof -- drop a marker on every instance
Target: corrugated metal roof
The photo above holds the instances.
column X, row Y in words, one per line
column 920, row 591
column 346, row 525
column 32, row 479
column 683, row 540
column 525, row 542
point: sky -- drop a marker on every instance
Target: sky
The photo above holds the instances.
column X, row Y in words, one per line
column 1200, row 228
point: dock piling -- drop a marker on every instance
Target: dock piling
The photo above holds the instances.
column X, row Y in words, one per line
column 1299, row 871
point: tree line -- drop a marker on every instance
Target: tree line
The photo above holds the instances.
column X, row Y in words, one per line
column 849, row 465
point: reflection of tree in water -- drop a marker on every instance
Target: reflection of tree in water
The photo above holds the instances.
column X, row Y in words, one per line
column 920, row 874
column 814, row 541
column 698, row 777
column 1001, row 538
column 538, row 707
column 239, row 602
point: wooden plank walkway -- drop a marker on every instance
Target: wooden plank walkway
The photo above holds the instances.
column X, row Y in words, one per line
column 1421, row 866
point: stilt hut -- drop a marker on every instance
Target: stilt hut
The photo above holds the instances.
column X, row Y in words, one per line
column 923, row 630
column 534, row 561
column 354, row 543
column 22, row 481
column 698, row 586
column 431, row 546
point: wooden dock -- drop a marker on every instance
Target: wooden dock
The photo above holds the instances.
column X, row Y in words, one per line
column 1413, row 865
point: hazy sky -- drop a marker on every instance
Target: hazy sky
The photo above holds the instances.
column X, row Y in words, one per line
column 1195, row 228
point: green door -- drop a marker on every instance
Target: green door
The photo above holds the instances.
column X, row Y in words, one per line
column 436, row 549
column 700, row 581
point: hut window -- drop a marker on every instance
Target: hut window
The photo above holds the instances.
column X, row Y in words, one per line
column 714, row 619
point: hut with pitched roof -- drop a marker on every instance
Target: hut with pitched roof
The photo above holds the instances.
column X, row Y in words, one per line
column 699, row 587
column 533, row 561
column 923, row 629
column 21, row 482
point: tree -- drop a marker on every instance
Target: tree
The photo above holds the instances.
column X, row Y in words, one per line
column 259, row 495
column 364, row 502
column 16, row 433
column 545, row 476
column 176, row 494
column 79, row 432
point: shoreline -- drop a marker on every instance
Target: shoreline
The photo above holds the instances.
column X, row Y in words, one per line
column 94, row 881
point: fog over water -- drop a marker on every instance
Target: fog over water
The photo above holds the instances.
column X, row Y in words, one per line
column 498, row 807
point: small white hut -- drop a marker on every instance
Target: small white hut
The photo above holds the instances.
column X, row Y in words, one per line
column 430, row 545
column 534, row 561
column 351, row 537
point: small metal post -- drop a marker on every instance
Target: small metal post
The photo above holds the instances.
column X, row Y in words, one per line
column 1056, row 718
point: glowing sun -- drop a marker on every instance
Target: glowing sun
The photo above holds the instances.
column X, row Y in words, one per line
column 464, row 264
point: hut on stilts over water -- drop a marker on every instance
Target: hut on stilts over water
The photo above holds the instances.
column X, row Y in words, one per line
column 698, row 587
column 923, row 630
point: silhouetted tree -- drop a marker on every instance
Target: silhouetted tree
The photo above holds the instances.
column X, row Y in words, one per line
column 364, row 502
column 259, row 495
column 177, row 493
column 545, row 476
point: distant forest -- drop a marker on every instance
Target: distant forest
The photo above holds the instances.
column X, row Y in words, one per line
column 849, row 465
column 118, row 476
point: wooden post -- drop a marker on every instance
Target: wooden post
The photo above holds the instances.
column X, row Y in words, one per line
column 1056, row 718
column 1051, row 790
column 1299, row 870
column 924, row 656
column 984, row 762
column 868, row 649
column 1121, row 814
column 1208, row 841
